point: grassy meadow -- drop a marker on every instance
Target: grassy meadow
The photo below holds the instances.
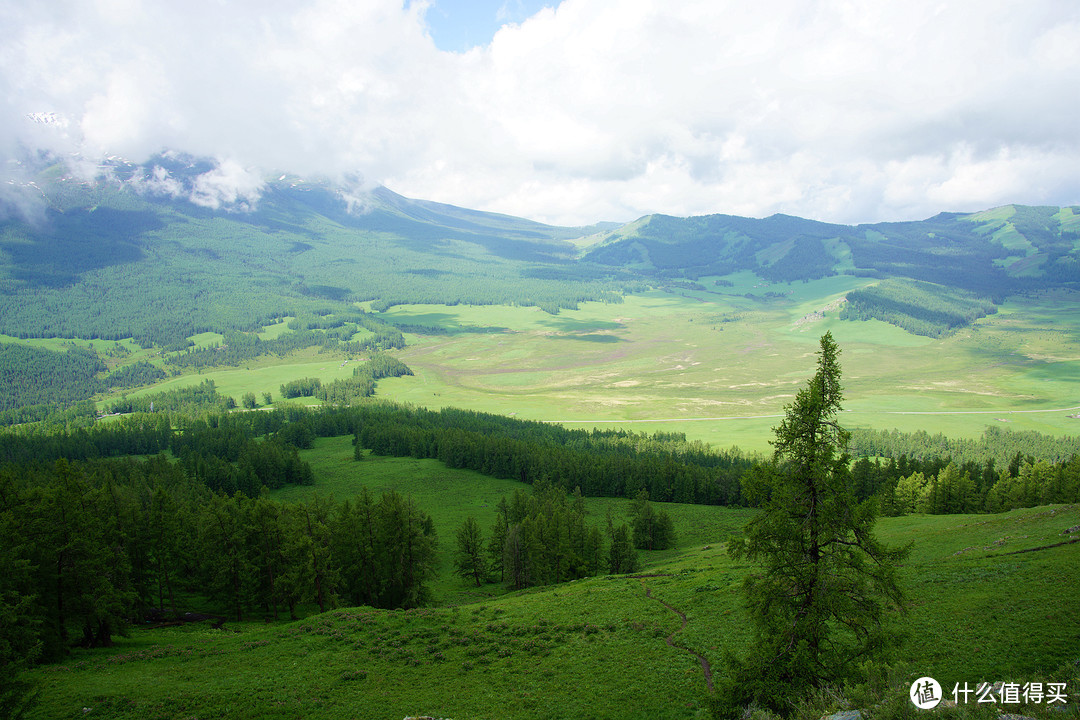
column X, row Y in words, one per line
column 977, row 610
column 721, row 365
column 451, row 495
column 718, row 365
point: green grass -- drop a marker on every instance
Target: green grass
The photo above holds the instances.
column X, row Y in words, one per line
column 451, row 495
column 591, row 648
column 720, row 366
column 264, row 374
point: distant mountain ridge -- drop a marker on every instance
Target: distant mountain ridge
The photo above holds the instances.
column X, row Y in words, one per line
column 995, row 251
column 181, row 245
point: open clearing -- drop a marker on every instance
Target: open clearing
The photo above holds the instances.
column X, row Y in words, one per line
column 725, row 364
column 718, row 365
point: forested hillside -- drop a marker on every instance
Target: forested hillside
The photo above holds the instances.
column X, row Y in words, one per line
column 151, row 516
column 920, row 308
column 112, row 260
column 156, row 289
column 992, row 253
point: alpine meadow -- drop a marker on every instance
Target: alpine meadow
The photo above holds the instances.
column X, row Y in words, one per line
column 307, row 459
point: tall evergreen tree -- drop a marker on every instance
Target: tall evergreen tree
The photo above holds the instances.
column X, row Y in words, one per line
column 469, row 561
column 499, row 531
column 819, row 600
column 652, row 530
column 622, row 558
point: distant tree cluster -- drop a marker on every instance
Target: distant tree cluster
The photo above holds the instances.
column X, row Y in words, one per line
column 362, row 382
column 191, row 400
column 543, row 538
column 38, row 385
column 1000, row 471
column 652, row 529
column 225, row 458
column 918, row 307
column 996, row 444
column 242, row 452
column 33, row 376
column 613, row 463
column 133, row 435
column 330, row 332
column 81, row 414
column 301, row 387
column 947, row 488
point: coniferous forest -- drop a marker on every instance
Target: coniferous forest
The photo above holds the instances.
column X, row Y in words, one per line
column 105, row 527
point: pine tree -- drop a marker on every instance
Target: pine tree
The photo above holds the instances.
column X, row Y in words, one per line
column 497, row 543
column 622, row 558
column 819, row 599
column 652, row 530
column 514, row 566
column 469, row 561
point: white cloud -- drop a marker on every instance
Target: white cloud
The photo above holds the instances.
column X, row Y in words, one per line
column 229, row 185
column 158, row 182
column 838, row 110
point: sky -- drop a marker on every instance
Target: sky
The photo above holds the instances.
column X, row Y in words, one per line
column 460, row 25
column 568, row 112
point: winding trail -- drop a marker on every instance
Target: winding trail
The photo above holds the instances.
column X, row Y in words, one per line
column 706, row 669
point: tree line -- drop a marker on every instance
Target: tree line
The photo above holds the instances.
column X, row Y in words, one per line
column 222, row 452
column 1001, row 445
column 330, row 332
column 942, row 485
column 346, row 391
column 91, row 546
column 187, row 401
column 964, row 489
column 918, row 307
column 611, row 463
column 35, row 381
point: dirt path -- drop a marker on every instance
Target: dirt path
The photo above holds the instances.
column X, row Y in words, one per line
column 670, row 639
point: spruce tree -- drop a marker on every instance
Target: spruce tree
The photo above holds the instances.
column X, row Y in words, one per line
column 823, row 583
column 469, row 560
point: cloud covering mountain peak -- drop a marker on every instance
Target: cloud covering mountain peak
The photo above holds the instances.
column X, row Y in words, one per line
column 581, row 112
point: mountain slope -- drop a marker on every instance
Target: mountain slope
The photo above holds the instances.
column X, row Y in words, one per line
column 106, row 260
column 994, row 252
column 180, row 246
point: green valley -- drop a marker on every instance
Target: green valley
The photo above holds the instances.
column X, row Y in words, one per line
column 239, row 448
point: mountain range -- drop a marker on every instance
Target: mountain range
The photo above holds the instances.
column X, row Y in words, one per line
column 168, row 248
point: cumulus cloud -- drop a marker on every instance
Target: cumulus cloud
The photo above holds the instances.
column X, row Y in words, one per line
column 586, row 111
